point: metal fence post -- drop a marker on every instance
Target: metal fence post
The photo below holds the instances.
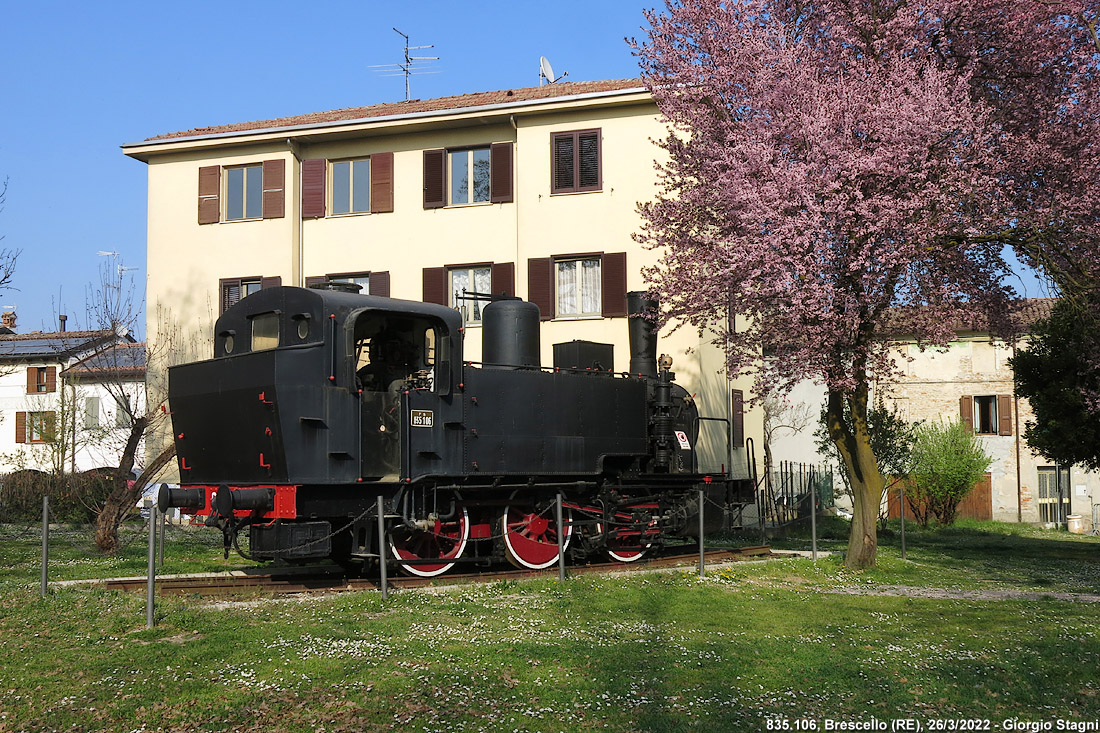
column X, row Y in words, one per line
column 45, row 544
column 152, row 567
column 561, row 539
column 382, row 549
column 160, row 536
column 901, row 513
column 702, row 560
column 813, row 511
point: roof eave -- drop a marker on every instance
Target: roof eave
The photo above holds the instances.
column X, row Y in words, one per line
column 142, row 150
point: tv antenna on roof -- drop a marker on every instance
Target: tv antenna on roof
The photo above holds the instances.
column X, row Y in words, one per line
column 409, row 67
column 546, row 71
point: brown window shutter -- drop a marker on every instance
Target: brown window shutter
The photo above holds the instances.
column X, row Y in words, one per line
column 317, row 280
column 229, row 290
column 32, row 380
column 504, row 278
column 210, row 183
column 381, row 183
column 966, row 410
column 380, row 284
column 274, row 173
column 49, row 426
column 51, row 382
column 738, row 426
column 20, row 427
column 613, row 275
column 435, row 179
column 270, row 282
column 1004, row 414
column 435, row 285
column 500, row 173
column 540, row 285
column 588, row 161
column 314, row 172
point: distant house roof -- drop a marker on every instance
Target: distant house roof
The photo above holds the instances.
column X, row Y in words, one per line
column 123, row 360
column 1028, row 312
column 53, row 346
column 548, row 92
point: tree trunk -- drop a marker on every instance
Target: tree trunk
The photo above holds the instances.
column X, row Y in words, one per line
column 123, row 498
column 853, row 442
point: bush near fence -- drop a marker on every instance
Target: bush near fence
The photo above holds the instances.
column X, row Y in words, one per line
column 74, row 497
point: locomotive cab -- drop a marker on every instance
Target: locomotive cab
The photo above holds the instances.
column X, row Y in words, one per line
column 399, row 359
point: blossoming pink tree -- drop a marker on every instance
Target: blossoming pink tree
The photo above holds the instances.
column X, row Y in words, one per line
column 826, row 169
column 1036, row 63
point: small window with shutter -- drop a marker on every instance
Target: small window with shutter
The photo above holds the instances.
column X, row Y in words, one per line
column 40, row 427
column 575, row 161
column 233, row 289
column 988, row 414
column 465, row 176
column 579, row 286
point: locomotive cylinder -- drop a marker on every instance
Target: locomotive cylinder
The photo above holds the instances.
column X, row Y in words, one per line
column 510, row 335
column 642, row 333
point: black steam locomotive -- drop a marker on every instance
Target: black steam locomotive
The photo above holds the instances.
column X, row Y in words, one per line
column 320, row 400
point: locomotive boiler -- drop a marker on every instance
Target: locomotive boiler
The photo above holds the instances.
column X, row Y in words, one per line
column 317, row 401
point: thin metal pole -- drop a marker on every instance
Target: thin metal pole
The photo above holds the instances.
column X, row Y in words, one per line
column 152, row 566
column 382, row 550
column 45, row 544
column 561, row 539
column 702, row 560
column 813, row 510
column 901, row 513
column 160, row 537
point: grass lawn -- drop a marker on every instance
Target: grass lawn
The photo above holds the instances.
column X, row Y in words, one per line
column 782, row 641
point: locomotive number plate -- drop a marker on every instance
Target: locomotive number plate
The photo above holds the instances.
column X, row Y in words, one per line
column 422, row 419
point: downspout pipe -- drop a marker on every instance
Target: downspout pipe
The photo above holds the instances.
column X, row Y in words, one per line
column 1016, row 432
column 300, row 280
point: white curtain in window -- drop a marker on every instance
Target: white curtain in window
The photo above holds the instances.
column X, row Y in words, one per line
column 590, row 287
column 567, row 288
column 578, row 286
column 483, row 283
column 460, row 283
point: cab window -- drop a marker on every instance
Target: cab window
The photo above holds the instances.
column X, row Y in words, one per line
column 265, row 331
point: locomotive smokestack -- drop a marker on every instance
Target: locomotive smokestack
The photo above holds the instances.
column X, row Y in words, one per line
column 643, row 333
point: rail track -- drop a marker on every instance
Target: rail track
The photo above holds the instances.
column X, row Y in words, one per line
column 332, row 579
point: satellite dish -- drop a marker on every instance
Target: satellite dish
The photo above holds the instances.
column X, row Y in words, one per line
column 546, row 71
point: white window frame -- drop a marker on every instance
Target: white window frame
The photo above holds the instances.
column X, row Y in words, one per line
column 994, row 424
column 570, row 293
column 230, row 194
column 36, row 426
column 471, row 310
column 471, row 173
column 354, row 173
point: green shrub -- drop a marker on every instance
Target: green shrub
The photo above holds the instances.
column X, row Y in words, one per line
column 948, row 460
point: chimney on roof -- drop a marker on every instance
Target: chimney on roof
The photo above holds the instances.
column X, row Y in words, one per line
column 61, row 322
column 7, row 320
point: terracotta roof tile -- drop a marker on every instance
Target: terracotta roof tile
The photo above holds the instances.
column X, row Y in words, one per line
column 413, row 106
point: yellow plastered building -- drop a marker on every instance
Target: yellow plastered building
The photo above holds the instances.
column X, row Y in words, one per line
column 532, row 192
